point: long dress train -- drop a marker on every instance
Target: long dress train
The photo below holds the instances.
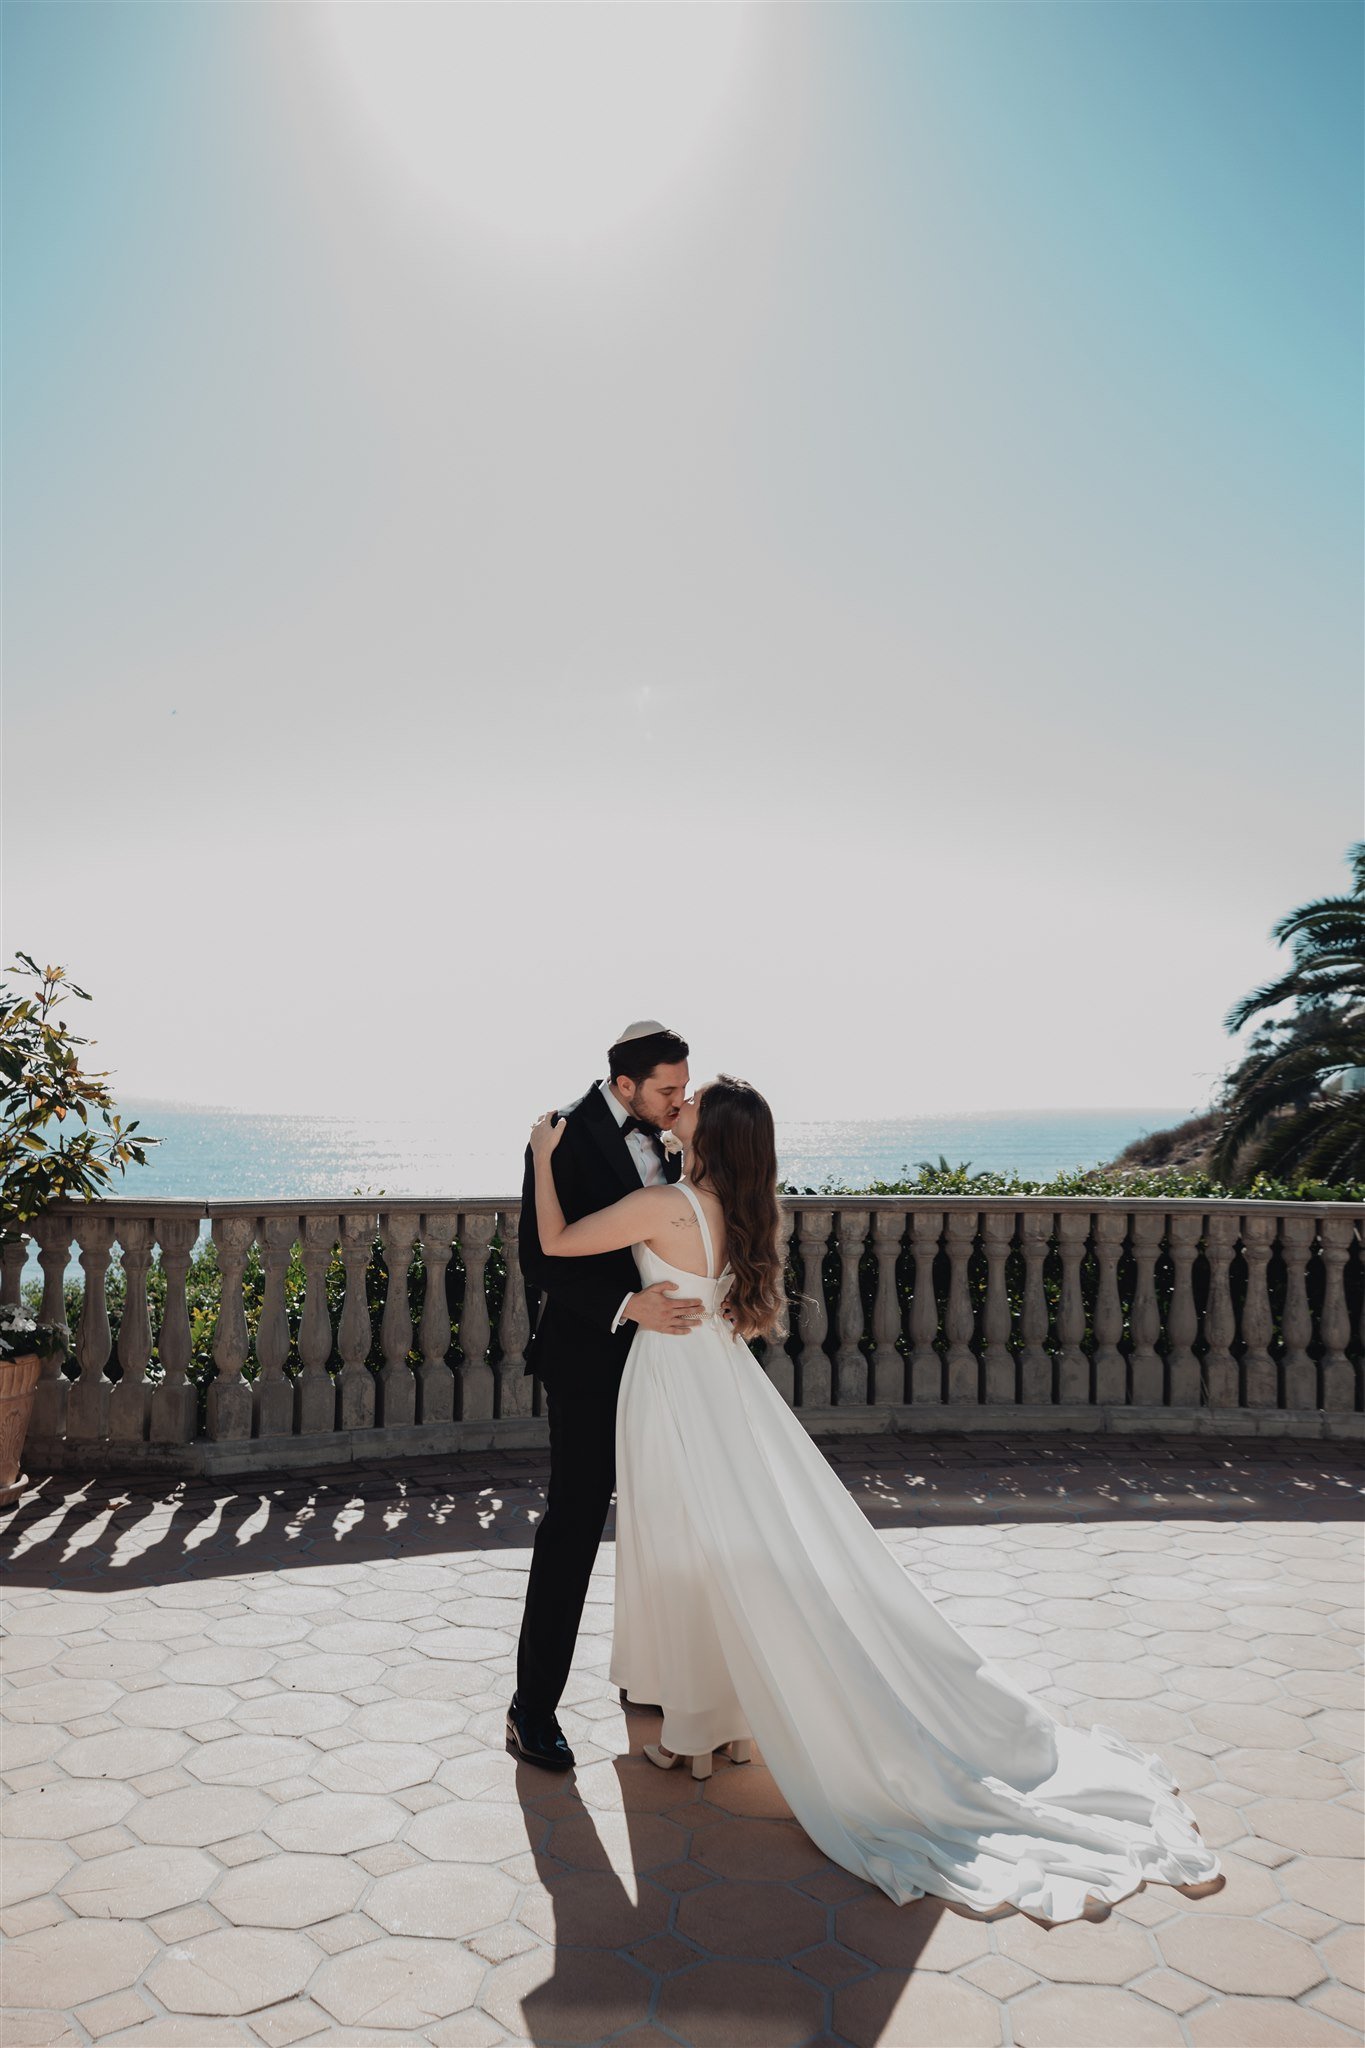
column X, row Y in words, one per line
column 754, row 1597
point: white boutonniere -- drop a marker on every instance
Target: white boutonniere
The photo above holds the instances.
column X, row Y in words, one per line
column 672, row 1146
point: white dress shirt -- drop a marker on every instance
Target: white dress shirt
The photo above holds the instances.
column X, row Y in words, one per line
column 648, row 1164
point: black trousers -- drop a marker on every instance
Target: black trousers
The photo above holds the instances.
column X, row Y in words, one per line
column 582, row 1479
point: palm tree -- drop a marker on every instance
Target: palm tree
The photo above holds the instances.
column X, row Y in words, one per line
column 1290, row 1108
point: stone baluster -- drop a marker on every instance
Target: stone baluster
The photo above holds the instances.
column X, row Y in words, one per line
column 997, row 1234
column 1220, row 1323
column 1259, row 1375
column 272, row 1396
column 514, row 1326
column 888, row 1367
column 1073, row 1367
column 435, row 1380
column 1111, row 1373
column 959, row 1319
column 1035, row 1365
column 1145, row 1315
column 849, row 1363
column 926, row 1367
column 778, row 1362
column 87, row 1409
column 355, row 1382
column 316, row 1394
column 1334, row 1323
column 175, row 1404
column 128, row 1400
column 50, row 1397
column 1297, row 1232
column 13, row 1252
column 812, row 1236
column 396, row 1395
column 1182, row 1317
column 229, row 1404
column 476, row 1374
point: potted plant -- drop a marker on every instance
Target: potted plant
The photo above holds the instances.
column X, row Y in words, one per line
column 61, row 1139
column 24, row 1344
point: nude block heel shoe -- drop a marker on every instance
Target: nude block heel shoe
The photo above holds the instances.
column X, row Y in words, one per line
column 738, row 1753
column 666, row 1758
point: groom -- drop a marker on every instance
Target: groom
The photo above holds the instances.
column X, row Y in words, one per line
column 613, row 1143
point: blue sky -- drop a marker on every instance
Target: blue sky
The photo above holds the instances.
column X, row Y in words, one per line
column 837, row 525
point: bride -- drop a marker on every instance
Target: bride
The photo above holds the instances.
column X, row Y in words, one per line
column 754, row 1599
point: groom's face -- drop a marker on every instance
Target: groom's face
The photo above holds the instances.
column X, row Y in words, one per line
column 657, row 1098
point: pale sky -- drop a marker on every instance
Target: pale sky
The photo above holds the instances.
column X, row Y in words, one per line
column 835, row 526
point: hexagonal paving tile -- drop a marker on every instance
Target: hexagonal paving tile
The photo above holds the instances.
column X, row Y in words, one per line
column 1081, row 2015
column 234, row 1970
column 1312, row 1826
column 216, row 1666
column 329, row 1674
column 408, row 1721
column 336, row 1823
column 1077, row 1951
column 291, row 1713
column 199, row 1814
column 759, row 1921
column 756, row 1849
column 377, row 1767
column 924, row 1936
column 123, row 1753
column 394, row 1983
column 473, row 1832
column 570, row 1996
column 289, row 1891
column 250, row 1760
column 443, row 1900
column 1241, row 1956
column 61, row 1700
column 135, row 1884
column 82, row 1959
column 65, row 1808
column 28, row 1869
column 1329, row 1884
column 175, row 1706
column 1264, row 2023
column 891, row 2009
column 594, row 1909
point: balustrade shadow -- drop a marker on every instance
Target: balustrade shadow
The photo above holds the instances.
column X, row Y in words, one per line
column 144, row 1533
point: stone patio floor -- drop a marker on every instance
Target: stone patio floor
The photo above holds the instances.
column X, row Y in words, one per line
column 257, row 1789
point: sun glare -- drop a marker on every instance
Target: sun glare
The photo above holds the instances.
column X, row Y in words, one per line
column 548, row 127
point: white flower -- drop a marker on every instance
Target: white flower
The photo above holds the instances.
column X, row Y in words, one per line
column 672, row 1146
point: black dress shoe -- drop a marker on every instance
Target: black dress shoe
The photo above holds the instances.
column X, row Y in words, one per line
column 537, row 1739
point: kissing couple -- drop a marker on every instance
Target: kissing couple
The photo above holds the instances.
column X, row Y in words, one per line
column 754, row 1600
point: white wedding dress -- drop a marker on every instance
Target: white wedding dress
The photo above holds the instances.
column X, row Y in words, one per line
column 753, row 1597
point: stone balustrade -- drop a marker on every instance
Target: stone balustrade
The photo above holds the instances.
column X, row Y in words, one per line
column 361, row 1330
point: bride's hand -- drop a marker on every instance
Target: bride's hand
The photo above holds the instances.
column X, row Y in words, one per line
column 546, row 1133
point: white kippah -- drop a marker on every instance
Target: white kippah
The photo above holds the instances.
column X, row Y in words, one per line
column 645, row 1027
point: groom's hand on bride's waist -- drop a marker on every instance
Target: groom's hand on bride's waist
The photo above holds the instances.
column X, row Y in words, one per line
column 653, row 1309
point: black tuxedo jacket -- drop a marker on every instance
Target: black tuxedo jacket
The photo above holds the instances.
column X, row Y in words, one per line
column 593, row 1168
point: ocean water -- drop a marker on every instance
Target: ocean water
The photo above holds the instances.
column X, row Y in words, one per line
column 229, row 1154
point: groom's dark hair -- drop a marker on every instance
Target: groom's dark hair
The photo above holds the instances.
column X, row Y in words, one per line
column 638, row 1057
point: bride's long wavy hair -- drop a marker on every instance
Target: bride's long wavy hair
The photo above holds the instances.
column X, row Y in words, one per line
column 734, row 1153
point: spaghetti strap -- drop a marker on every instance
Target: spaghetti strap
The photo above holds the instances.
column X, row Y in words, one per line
column 702, row 1224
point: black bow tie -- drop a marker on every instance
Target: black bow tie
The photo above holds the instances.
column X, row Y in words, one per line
column 637, row 1123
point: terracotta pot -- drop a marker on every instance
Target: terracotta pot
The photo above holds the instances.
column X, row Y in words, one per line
column 18, row 1378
